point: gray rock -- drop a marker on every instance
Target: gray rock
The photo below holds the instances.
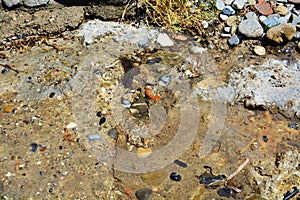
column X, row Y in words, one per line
column 220, row 4
column 228, row 2
column 144, row 194
column 296, row 19
column 113, row 133
column 34, row 3
column 251, row 28
column 271, row 22
column 283, row 20
column 234, row 40
column 144, row 43
column 251, row 15
column 11, row 3
column 239, row 4
column 93, row 137
column 164, row 40
column 228, row 10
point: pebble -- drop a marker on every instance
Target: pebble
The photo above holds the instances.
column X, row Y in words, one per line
column 228, row 2
column 174, row 176
column 228, row 10
column 144, row 194
column 34, row 147
column 265, row 138
column 281, row 33
column 144, row 43
column 180, row 163
column 93, row 137
column 281, row 10
column 259, row 50
column 113, row 133
column 5, row 70
column 126, row 103
column 11, row 3
column 227, row 29
column 164, row 40
column 271, row 22
column 220, row 4
column 196, row 50
column 251, row 28
column 251, row 15
column 232, row 20
column 205, row 24
column 293, row 126
column 7, row 109
column 166, row 80
column 71, row 125
column 102, row 120
column 223, row 17
column 239, row 4
column 99, row 114
column 234, row 40
column 264, row 8
column 225, row 192
column 153, row 61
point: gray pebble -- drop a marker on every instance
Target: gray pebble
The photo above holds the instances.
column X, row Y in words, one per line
column 93, row 137
column 164, row 40
column 126, row 103
column 143, row 43
column 251, row 28
column 196, row 50
column 220, row 4
column 11, row 3
column 296, row 19
column 234, row 40
column 144, row 194
column 113, row 133
column 271, row 22
column 166, row 80
column 228, row 2
column 239, row 4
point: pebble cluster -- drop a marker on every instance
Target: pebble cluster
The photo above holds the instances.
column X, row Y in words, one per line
column 277, row 21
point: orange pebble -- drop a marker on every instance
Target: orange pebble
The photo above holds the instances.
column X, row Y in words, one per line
column 127, row 191
column 154, row 97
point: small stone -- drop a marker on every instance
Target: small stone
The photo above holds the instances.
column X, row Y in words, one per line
column 264, row 8
column 228, row 2
column 298, row 46
column 144, row 43
column 174, row 176
column 251, row 28
column 153, row 61
column 205, row 24
column 265, row 138
column 99, row 114
column 34, row 3
column 93, row 137
column 228, row 10
column 232, row 20
column 260, row 50
column 71, row 125
column 102, row 120
column 239, row 4
column 179, row 37
column 281, row 10
column 5, row 70
column 196, row 50
column 281, row 33
column 234, row 40
column 271, row 22
column 227, row 29
column 164, row 40
column 144, row 152
column 34, row 147
column 223, row 17
column 7, row 109
column 251, row 15
column 180, row 163
column 251, row 2
column 144, row 194
column 11, row 3
column 113, row 133
column 166, row 80
column 220, row 4
column 126, row 103
column 225, row 192
column 225, row 35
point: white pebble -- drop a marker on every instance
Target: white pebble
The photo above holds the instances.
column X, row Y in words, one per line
column 71, row 125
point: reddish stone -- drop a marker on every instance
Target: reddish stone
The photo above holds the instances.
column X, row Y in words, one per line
column 264, row 8
column 295, row 1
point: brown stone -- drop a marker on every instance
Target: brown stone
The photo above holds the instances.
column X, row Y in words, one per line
column 281, row 33
column 281, row 10
column 264, row 8
column 7, row 109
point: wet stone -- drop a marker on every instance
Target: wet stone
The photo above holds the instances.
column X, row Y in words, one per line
column 174, row 176
column 265, row 138
column 225, row 192
column 34, row 147
column 144, row 194
column 228, row 10
column 259, row 50
column 180, row 163
column 113, row 133
column 93, row 137
column 144, row 43
column 5, row 70
column 234, row 40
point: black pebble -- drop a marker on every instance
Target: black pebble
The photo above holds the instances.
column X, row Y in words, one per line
column 180, row 163
column 99, row 114
column 154, row 60
column 34, row 147
column 293, row 125
column 144, row 194
column 175, row 176
column 225, row 192
column 265, row 138
column 102, row 121
column 113, row 133
column 4, row 70
column 290, row 195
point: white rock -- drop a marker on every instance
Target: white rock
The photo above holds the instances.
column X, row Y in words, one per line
column 259, row 50
column 11, row 3
column 71, row 125
column 33, row 3
column 164, row 40
column 223, row 17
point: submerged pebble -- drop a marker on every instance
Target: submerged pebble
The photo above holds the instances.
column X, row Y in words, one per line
column 180, row 163
column 4, row 70
column 144, row 194
column 175, row 176
column 93, row 137
column 34, row 147
column 225, row 192
column 153, row 61
column 113, row 133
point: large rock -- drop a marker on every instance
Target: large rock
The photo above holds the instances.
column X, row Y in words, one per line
column 281, row 33
column 251, row 28
column 11, row 3
column 35, row 3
